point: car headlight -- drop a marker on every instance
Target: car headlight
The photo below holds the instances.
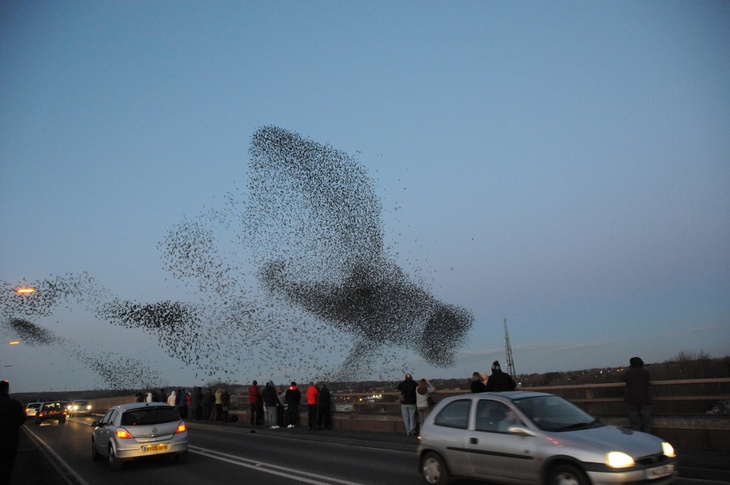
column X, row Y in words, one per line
column 618, row 459
column 668, row 449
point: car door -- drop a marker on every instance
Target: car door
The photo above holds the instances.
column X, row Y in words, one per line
column 105, row 431
column 496, row 454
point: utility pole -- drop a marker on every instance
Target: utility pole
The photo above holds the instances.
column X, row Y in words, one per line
column 510, row 360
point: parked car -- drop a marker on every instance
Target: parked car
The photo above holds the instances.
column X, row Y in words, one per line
column 32, row 408
column 138, row 430
column 533, row 437
column 51, row 410
column 79, row 407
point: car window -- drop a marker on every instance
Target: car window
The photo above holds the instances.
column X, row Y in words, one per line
column 454, row 414
column 108, row 417
column 495, row 416
column 552, row 413
column 150, row 415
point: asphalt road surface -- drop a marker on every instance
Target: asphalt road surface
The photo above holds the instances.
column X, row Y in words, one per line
column 223, row 453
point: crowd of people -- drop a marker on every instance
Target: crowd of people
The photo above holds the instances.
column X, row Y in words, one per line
column 274, row 407
column 197, row 405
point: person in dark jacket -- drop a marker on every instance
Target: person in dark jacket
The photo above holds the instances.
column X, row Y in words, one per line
column 637, row 398
column 12, row 417
column 323, row 407
column 500, row 381
column 254, row 398
column 292, row 397
column 476, row 384
column 407, row 389
column 271, row 401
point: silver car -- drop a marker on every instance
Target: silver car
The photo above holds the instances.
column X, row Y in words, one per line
column 533, row 437
column 139, row 430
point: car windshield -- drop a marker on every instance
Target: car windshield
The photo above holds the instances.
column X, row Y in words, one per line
column 553, row 413
column 149, row 415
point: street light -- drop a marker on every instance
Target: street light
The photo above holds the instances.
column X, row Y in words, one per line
column 14, row 342
column 26, row 290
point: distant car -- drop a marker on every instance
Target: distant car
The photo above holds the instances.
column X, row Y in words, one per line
column 79, row 407
column 139, row 430
column 32, row 408
column 720, row 407
column 51, row 410
column 533, row 437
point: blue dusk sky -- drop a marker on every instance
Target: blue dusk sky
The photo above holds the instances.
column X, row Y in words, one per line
column 561, row 165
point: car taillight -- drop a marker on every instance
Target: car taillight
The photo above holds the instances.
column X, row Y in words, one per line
column 123, row 434
column 180, row 428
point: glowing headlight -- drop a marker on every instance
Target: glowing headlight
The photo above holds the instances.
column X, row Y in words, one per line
column 617, row 459
column 668, row 449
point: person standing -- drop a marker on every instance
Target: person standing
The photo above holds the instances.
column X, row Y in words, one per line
column 292, row 397
column 12, row 417
column 407, row 389
column 254, row 396
column 500, row 381
column 476, row 384
column 271, row 401
column 207, row 404
column 423, row 392
column 312, row 395
column 323, row 408
column 637, row 400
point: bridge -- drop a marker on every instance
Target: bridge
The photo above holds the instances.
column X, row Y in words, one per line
column 679, row 409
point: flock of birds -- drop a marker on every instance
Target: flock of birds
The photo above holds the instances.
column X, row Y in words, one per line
column 290, row 277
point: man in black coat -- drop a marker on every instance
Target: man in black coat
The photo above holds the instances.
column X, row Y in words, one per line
column 12, row 417
column 500, row 381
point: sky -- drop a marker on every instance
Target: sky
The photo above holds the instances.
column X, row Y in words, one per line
column 564, row 167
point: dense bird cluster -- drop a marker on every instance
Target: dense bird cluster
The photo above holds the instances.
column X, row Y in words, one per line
column 316, row 296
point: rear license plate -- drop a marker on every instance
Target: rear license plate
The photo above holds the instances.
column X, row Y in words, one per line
column 161, row 447
column 660, row 471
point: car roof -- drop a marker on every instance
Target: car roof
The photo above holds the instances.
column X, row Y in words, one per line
column 500, row 396
column 140, row 405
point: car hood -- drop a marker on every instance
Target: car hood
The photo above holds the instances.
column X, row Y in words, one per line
column 603, row 439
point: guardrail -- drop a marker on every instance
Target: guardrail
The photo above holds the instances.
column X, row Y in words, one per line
column 679, row 409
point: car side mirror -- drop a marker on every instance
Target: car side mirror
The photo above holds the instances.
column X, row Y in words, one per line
column 520, row 431
column 96, row 424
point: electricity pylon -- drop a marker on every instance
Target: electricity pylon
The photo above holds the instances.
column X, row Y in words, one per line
column 510, row 360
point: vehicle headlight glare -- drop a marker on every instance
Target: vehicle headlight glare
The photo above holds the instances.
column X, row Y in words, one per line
column 618, row 459
column 668, row 449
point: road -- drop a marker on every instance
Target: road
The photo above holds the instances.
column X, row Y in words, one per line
column 233, row 454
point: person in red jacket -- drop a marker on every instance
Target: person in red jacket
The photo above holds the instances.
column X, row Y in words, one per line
column 254, row 396
column 312, row 395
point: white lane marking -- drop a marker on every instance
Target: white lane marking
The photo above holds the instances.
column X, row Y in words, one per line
column 291, row 473
column 45, row 448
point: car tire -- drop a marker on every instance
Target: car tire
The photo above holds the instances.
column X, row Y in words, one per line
column 38, row 422
column 181, row 457
column 94, row 454
column 434, row 469
column 566, row 474
column 114, row 462
column 62, row 420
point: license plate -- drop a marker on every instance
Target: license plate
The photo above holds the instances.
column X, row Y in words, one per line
column 660, row 471
column 161, row 447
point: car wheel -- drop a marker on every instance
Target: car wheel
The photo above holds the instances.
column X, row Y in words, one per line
column 114, row 462
column 181, row 457
column 62, row 420
column 566, row 474
column 434, row 469
column 38, row 422
column 94, row 454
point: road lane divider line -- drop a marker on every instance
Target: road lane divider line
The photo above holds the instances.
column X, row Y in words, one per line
column 291, row 473
column 56, row 461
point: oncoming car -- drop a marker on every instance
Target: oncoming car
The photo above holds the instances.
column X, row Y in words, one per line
column 51, row 410
column 533, row 437
column 139, row 430
column 79, row 407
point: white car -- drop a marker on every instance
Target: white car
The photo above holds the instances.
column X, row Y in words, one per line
column 139, row 430
column 532, row 437
column 31, row 409
column 79, row 407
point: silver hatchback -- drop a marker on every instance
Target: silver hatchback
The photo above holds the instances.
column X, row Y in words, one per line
column 139, row 430
column 534, row 437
